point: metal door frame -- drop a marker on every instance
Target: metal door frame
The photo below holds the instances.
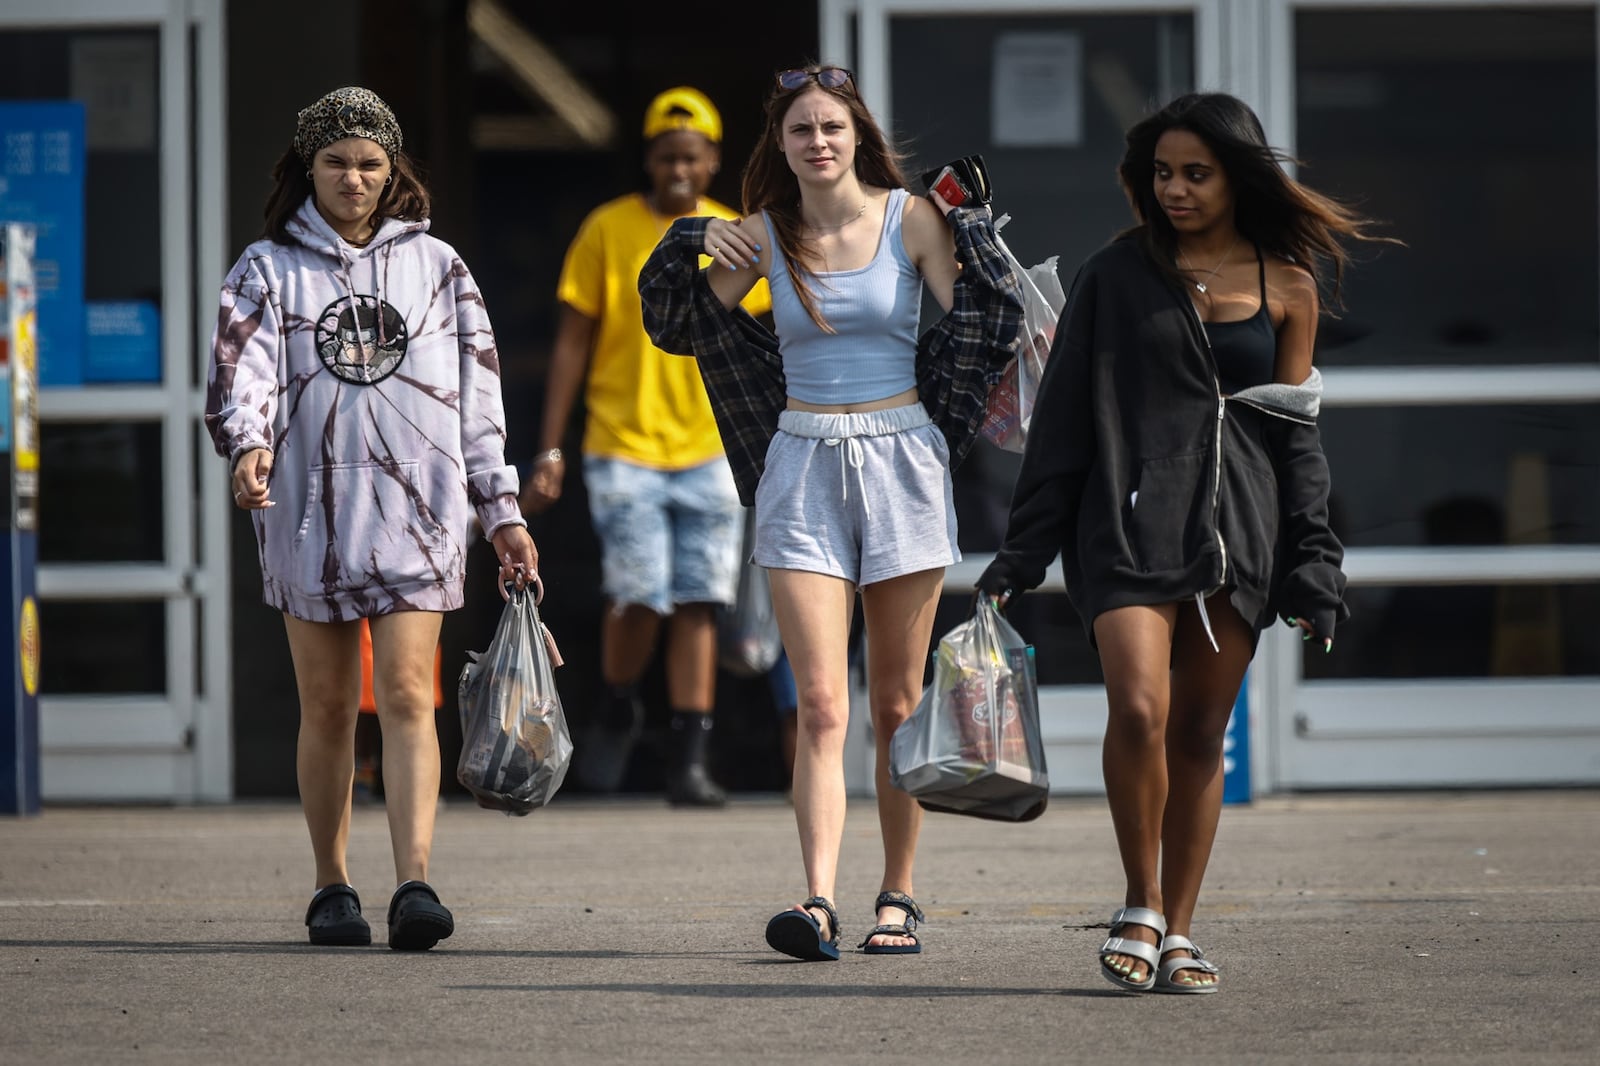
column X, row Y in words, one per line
column 175, row 747
column 1072, row 716
column 1246, row 47
column 1454, row 730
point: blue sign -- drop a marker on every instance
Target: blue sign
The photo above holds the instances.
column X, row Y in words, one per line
column 1236, row 748
column 41, row 182
column 122, row 342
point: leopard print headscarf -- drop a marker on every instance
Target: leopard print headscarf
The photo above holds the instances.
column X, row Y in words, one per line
column 348, row 112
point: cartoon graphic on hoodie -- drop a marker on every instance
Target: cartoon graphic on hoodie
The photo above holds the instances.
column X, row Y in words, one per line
column 372, row 375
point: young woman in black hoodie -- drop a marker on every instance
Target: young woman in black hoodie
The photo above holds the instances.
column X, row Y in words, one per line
column 1180, row 476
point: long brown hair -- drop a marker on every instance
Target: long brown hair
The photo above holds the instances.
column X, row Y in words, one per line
column 405, row 198
column 769, row 185
column 1271, row 209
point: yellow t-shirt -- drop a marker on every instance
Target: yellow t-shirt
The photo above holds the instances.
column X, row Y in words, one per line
column 645, row 405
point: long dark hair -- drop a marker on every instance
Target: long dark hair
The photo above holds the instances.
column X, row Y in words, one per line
column 768, row 184
column 405, row 198
column 1271, row 209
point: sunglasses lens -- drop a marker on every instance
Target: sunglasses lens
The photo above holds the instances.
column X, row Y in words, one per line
column 827, row 77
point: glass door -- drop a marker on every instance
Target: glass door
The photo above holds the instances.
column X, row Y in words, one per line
column 1462, row 414
column 133, row 584
column 1044, row 90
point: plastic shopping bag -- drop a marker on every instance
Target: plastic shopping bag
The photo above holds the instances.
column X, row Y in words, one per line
column 747, row 633
column 515, row 746
column 1009, row 410
column 973, row 744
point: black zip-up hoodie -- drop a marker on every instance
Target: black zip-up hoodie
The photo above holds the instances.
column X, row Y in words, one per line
column 1153, row 487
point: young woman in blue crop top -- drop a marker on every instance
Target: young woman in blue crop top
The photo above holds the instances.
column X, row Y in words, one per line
column 855, row 494
column 1180, row 477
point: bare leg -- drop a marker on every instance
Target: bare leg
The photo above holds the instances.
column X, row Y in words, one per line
column 627, row 639
column 402, row 682
column 899, row 618
column 692, row 658
column 327, row 674
column 1135, row 654
column 813, row 612
column 1205, row 683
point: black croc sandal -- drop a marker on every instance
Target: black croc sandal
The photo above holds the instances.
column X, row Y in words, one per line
column 799, row 934
column 417, row 920
column 334, row 918
column 906, row 929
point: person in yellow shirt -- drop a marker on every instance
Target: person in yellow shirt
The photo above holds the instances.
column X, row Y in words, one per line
column 661, row 494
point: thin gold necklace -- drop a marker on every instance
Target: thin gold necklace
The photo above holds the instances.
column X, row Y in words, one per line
column 840, row 226
column 1212, row 273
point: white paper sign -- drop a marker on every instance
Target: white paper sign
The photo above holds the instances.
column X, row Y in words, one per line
column 1037, row 100
column 115, row 77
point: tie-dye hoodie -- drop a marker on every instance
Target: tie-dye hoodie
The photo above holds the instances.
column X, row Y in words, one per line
column 372, row 375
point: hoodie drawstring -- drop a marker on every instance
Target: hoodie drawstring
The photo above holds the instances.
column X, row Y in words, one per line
column 355, row 309
column 1205, row 620
column 377, row 292
column 377, row 295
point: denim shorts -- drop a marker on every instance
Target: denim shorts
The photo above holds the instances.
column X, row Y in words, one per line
column 667, row 537
column 864, row 496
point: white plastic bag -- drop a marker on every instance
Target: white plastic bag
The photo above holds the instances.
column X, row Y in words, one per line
column 1009, row 410
column 748, row 643
column 973, row 744
column 515, row 746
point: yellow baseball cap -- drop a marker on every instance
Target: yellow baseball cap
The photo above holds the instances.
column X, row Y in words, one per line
column 682, row 108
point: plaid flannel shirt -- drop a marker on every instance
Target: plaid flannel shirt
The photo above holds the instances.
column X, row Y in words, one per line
column 959, row 358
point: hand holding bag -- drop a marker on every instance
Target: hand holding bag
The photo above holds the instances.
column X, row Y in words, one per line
column 515, row 745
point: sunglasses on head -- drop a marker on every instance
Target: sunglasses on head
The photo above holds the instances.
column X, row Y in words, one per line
column 827, row 77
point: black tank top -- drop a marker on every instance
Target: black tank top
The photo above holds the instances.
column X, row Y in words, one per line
column 1245, row 351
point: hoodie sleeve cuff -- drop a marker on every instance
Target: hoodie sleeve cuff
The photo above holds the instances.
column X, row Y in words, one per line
column 496, row 514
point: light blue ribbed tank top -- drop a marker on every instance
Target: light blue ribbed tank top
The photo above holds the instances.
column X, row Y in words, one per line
column 874, row 312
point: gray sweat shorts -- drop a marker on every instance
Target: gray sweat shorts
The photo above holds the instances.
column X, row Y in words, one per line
column 865, row 497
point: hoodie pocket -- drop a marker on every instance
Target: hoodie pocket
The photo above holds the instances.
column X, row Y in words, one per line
column 367, row 525
column 1167, row 511
column 1250, row 519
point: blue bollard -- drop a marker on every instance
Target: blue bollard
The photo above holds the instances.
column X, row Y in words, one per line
column 1236, row 749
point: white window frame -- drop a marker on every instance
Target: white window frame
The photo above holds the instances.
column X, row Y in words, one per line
column 176, row 746
column 1247, row 47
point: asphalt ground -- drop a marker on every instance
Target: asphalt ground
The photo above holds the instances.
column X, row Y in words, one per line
column 1388, row 928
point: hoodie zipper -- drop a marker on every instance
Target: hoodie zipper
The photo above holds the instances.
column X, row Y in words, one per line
column 1216, row 460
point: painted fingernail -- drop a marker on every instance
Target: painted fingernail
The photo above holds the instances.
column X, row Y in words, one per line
column 1294, row 621
column 1305, row 636
column 758, row 247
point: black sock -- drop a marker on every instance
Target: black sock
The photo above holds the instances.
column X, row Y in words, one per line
column 691, row 735
column 622, row 708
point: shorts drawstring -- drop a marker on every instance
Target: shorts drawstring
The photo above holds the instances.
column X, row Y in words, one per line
column 850, row 455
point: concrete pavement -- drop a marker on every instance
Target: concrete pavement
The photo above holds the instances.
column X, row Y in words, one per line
column 1416, row 928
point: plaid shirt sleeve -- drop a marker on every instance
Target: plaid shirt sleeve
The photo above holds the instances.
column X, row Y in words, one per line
column 737, row 356
column 961, row 357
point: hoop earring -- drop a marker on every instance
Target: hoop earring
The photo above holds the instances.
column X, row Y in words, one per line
column 389, row 180
column 308, row 176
